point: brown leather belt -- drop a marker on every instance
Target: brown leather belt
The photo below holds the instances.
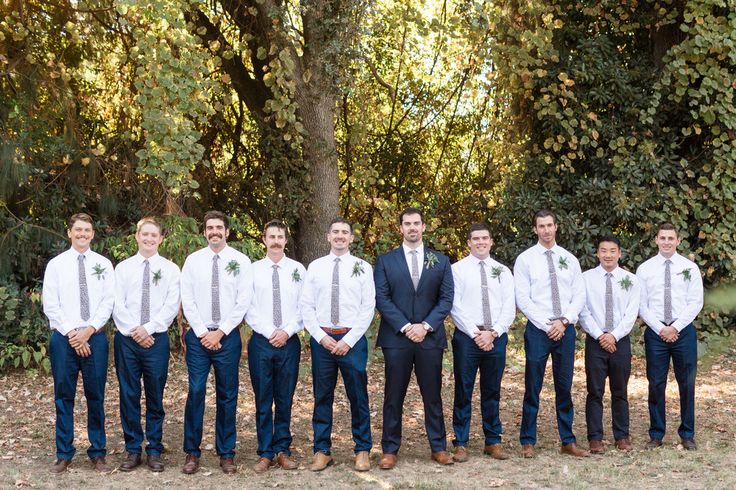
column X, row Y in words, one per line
column 335, row 331
column 482, row 328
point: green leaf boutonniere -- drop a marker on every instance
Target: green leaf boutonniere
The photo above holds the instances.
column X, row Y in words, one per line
column 562, row 263
column 625, row 283
column 430, row 260
column 496, row 273
column 99, row 271
column 157, row 277
column 685, row 274
column 357, row 269
column 295, row 276
column 233, row 267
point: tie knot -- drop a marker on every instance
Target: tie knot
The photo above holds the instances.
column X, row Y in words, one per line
column 413, row 252
column 80, row 257
column 482, row 264
column 668, row 261
column 548, row 253
column 275, row 266
column 216, row 258
column 608, row 275
column 146, row 262
column 337, row 259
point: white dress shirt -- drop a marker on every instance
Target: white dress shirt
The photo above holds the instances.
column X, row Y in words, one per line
column 236, row 289
column 625, row 302
column 534, row 290
column 687, row 294
column 60, row 293
column 292, row 275
column 163, row 294
column 420, row 257
column 357, row 297
column 467, row 306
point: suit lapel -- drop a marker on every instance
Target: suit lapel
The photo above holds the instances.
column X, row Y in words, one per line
column 426, row 271
column 403, row 267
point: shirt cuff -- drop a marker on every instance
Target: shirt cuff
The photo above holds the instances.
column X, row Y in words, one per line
column 403, row 329
column 429, row 327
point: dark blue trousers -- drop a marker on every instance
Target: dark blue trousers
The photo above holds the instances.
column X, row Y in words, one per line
column 65, row 367
column 538, row 348
column 468, row 359
column 273, row 374
column 352, row 366
column 225, row 362
column 616, row 366
column 133, row 362
column 684, row 355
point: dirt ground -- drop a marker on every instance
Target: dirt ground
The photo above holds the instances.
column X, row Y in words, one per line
column 27, row 438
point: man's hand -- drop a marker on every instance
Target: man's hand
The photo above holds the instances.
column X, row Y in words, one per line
column 607, row 342
column 211, row 340
column 416, row 332
column 84, row 351
column 78, row 338
column 556, row 330
column 341, row 348
column 328, row 343
column 484, row 340
column 140, row 335
column 669, row 334
column 278, row 338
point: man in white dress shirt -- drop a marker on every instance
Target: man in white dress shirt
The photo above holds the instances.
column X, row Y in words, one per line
column 78, row 296
column 337, row 302
column 274, row 349
column 671, row 298
column 611, row 308
column 216, row 291
column 550, row 292
column 483, row 310
column 146, row 303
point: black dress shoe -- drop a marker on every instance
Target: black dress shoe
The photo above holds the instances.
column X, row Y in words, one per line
column 155, row 463
column 130, row 463
column 653, row 444
column 689, row 444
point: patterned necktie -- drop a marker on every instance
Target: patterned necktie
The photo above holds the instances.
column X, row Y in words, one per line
column 335, row 300
column 556, row 308
column 414, row 269
column 83, row 291
column 277, row 320
column 146, row 294
column 667, row 292
column 215, row 290
column 609, row 303
column 487, row 324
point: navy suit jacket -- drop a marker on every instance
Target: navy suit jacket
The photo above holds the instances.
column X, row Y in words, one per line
column 399, row 304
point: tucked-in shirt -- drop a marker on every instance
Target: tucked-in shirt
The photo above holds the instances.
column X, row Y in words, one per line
column 292, row 275
column 534, row 289
column 467, row 306
column 686, row 289
column 60, row 293
column 357, row 297
column 163, row 290
column 236, row 289
column 626, row 292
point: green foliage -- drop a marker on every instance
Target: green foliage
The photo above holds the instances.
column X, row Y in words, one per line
column 24, row 331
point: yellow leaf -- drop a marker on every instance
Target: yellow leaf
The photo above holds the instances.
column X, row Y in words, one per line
column 85, row 161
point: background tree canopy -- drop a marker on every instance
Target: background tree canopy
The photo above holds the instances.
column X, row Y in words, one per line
column 617, row 115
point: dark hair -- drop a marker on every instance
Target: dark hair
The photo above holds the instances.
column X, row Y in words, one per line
column 608, row 238
column 276, row 223
column 339, row 219
column 148, row 220
column 667, row 227
column 479, row 227
column 81, row 217
column 543, row 213
column 216, row 215
column 411, row 210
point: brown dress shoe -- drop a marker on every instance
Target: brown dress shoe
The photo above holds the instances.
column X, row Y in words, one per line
column 285, row 461
column 191, row 465
column 573, row 450
column 60, row 466
column 262, row 465
column 362, row 461
column 443, row 457
column 653, row 444
column 130, row 462
column 624, row 444
column 495, row 451
column 460, row 455
column 388, row 461
column 228, row 466
column 689, row 444
column 155, row 463
column 321, row 461
column 100, row 465
column 527, row 451
column 596, row 447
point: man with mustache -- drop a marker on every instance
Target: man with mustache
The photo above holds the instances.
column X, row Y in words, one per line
column 78, row 296
column 274, row 349
column 216, row 291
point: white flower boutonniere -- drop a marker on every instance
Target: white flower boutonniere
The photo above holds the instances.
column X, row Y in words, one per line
column 99, row 271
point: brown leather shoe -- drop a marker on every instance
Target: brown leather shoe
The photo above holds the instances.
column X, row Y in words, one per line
column 527, row 451
column 689, row 444
column 191, row 465
column 321, row 461
column 443, row 457
column 155, row 463
column 596, row 447
column 388, row 461
column 60, row 466
column 285, row 461
column 362, row 461
column 624, row 444
column 130, row 462
column 100, row 465
column 496, row 451
column 262, row 465
column 460, row 455
column 228, row 466
column 653, row 444
column 573, row 450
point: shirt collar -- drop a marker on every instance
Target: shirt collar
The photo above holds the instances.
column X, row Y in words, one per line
column 211, row 253
column 344, row 256
column 419, row 249
column 140, row 259
column 280, row 263
column 661, row 258
column 603, row 271
column 86, row 253
column 541, row 249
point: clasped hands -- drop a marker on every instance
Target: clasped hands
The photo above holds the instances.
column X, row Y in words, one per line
column 607, row 342
column 556, row 329
column 79, row 340
column 484, row 340
column 211, row 340
column 416, row 332
column 669, row 334
column 336, row 347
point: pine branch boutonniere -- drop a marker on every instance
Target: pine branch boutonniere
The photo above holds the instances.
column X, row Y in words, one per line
column 562, row 263
column 625, row 283
column 233, row 267
column 496, row 273
column 685, row 274
column 157, row 277
column 357, row 269
column 430, row 260
column 99, row 271
column 295, row 276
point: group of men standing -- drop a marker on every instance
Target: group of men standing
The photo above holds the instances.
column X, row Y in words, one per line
column 414, row 289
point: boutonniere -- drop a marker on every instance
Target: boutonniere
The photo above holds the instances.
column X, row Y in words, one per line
column 430, row 260
column 496, row 273
column 562, row 263
column 157, row 277
column 233, row 267
column 625, row 283
column 295, row 276
column 357, row 269
column 685, row 274
column 99, row 271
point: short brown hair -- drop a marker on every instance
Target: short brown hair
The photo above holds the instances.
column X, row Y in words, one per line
column 216, row 215
column 544, row 213
column 342, row 220
column 667, row 227
column 148, row 220
column 276, row 223
column 81, row 217
column 411, row 210
column 479, row 227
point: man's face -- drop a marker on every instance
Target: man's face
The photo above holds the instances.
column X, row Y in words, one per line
column 275, row 240
column 149, row 238
column 339, row 237
column 667, row 241
column 412, row 228
column 480, row 244
column 215, row 232
column 546, row 230
column 81, row 234
column 608, row 254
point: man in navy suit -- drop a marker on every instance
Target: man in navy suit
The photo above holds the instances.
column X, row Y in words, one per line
column 414, row 292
